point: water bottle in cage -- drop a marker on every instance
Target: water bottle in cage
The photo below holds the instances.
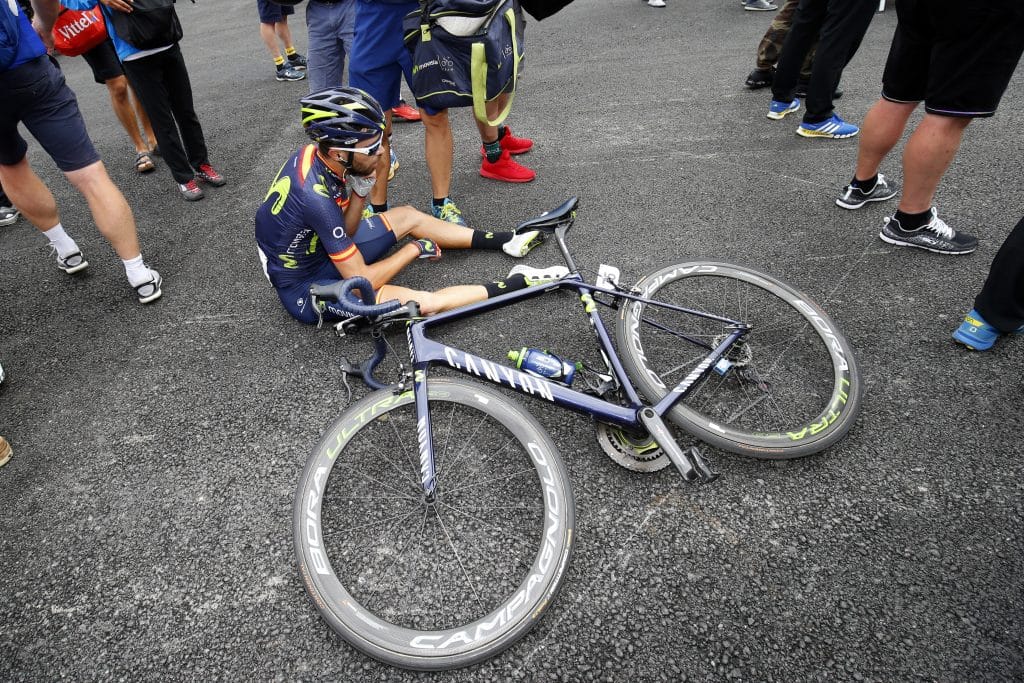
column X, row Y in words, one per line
column 543, row 364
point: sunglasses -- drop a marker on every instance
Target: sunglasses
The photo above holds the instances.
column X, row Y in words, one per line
column 370, row 150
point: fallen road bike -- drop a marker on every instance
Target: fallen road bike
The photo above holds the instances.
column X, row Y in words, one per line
column 434, row 521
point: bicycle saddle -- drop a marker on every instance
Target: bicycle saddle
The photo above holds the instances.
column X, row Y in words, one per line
column 563, row 215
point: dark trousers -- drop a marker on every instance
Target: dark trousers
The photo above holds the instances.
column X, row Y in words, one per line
column 162, row 86
column 1001, row 301
column 840, row 26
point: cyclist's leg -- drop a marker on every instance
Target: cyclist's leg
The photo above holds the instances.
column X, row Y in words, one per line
column 435, row 302
column 408, row 221
column 459, row 295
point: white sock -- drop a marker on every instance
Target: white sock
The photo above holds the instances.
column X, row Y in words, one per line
column 137, row 271
column 61, row 241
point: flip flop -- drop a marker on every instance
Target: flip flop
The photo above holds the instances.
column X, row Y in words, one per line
column 143, row 162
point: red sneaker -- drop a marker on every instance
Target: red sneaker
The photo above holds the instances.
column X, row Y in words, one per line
column 405, row 112
column 506, row 169
column 207, row 174
column 512, row 144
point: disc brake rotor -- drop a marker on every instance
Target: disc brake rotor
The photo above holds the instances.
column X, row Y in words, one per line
column 739, row 354
column 640, row 454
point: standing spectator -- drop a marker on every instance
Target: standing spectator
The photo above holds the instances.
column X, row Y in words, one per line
column 106, row 70
column 770, row 47
column 274, row 27
column 161, row 81
column 330, row 25
column 36, row 96
column 8, row 214
column 958, row 58
column 842, row 25
column 999, row 306
column 379, row 62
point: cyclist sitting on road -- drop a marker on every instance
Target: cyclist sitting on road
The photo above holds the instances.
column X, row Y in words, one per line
column 309, row 228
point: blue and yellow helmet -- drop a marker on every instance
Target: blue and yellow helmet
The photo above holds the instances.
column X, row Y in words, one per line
column 341, row 116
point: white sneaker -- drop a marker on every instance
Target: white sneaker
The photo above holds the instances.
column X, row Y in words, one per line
column 535, row 276
column 656, row 3
column 520, row 245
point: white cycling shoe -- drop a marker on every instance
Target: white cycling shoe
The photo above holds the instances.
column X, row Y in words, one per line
column 520, row 245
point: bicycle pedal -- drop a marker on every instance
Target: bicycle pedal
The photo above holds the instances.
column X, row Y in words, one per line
column 704, row 471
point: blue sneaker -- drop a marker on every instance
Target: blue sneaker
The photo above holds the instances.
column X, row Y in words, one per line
column 833, row 127
column 778, row 110
column 976, row 334
column 448, row 212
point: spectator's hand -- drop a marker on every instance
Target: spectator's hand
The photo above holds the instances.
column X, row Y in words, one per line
column 119, row 5
column 429, row 249
column 361, row 184
column 44, row 35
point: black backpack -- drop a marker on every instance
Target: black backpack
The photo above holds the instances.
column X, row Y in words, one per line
column 150, row 24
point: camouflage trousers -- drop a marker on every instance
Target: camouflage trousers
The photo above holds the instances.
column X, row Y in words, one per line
column 771, row 45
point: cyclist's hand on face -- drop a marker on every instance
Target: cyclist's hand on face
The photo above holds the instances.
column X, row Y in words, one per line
column 429, row 249
column 361, row 184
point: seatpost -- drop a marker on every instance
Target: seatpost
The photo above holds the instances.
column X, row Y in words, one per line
column 560, row 233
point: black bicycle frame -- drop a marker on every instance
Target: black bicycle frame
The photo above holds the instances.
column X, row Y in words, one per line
column 426, row 352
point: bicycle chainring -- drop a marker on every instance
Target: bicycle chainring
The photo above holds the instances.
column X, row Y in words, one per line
column 639, row 454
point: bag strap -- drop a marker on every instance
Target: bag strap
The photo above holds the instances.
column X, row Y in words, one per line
column 478, row 76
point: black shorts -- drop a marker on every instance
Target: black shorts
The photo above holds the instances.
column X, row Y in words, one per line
column 104, row 62
column 36, row 95
column 271, row 13
column 956, row 56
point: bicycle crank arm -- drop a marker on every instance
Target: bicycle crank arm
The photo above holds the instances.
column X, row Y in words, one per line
column 690, row 463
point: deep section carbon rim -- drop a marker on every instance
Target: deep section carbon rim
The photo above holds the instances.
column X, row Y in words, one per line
column 792, row 389
column 434, row 584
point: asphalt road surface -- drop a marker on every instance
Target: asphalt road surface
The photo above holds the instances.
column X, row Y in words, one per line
column 145, row 519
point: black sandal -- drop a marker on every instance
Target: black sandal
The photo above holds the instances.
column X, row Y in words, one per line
column 144, row 163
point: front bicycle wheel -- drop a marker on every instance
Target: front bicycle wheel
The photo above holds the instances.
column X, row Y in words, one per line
column 793, row 387
column 442, row 583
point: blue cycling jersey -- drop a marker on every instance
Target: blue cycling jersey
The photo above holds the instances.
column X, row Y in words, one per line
column 300, row 227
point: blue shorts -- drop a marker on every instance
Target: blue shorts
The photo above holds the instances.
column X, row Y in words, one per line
column 379, row 58
column 373, row 238
column 36, row 95
column 271, row 12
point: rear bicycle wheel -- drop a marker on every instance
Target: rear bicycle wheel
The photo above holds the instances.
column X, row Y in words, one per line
column 434, row 584
column 793, row 388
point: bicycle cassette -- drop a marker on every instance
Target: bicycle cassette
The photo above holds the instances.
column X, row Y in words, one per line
column 640, row 454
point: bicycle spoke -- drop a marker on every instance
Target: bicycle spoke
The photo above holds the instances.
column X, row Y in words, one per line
column 458, row 558
column 488, row 481
column 501, row 527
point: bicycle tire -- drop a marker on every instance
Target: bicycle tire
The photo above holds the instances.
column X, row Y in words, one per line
column 794, row 357
column 504, row 486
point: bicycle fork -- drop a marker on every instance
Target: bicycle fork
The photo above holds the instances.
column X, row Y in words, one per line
column 424, row 438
